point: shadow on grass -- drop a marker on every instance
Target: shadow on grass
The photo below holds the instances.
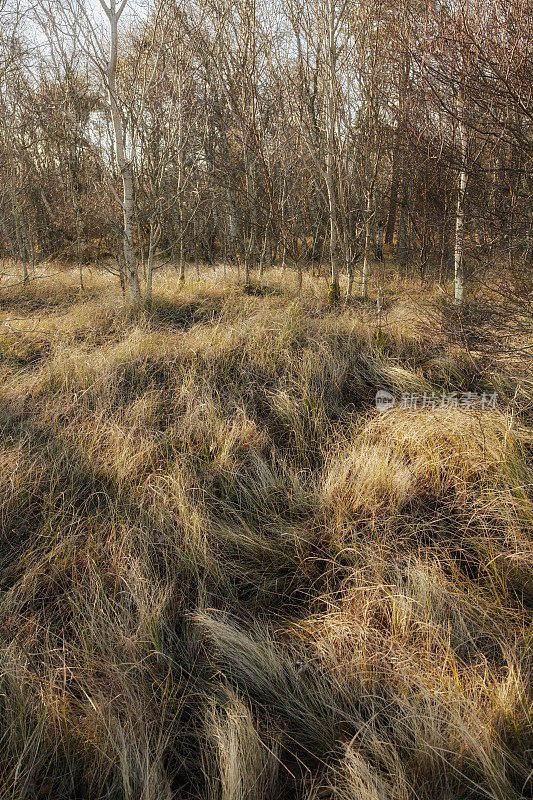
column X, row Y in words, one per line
column 20, row 351
column 256, row 289
column 57, row 492
column 179, row 314
column 59, row 485
column 31, row 300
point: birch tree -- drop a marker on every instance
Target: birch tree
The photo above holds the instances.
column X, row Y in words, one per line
column 460, row 210
column 331, row 60
column 124, row 163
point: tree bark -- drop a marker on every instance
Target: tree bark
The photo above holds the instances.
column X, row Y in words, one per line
column 124, row 165
column 334, row 291
column 393, row 205
column 155, row 233
column 368, row 244
column 460, row 212
column 402, row 235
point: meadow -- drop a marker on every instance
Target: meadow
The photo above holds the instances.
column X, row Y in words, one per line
column 225, row 575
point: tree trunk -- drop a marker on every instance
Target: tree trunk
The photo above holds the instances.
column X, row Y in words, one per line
column 391, row 220
column 402, row 236
column 349, row 288
column 130, row 263
column 379, row 249
column 334, row 291
column 154, row 236
column 443, row 242
column 181, row 277
column 368, row 244
column 460, row 212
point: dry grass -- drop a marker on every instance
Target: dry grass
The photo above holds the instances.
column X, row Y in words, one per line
column 225, row 576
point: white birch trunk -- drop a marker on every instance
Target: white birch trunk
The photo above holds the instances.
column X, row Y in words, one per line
column 459, row 216
column 334, row 291
column 124, row 165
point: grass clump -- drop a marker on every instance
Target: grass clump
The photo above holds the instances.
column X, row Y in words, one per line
column 225, row 575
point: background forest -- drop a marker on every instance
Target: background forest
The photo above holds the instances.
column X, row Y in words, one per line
column 302, row 134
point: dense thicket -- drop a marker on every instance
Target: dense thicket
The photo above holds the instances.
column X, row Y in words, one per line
column 302, row 134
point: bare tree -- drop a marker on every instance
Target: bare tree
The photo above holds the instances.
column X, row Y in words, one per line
column 124, row 162
column 461, row 192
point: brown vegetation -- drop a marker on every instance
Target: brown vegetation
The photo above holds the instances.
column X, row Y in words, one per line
column 225, row 575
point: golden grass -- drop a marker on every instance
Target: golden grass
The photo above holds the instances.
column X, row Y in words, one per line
column 224, row 575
